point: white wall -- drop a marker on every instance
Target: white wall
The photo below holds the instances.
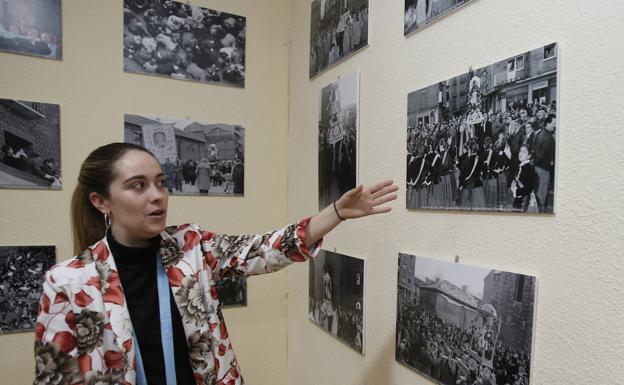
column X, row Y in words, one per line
column 576, row 254
column 94, row 93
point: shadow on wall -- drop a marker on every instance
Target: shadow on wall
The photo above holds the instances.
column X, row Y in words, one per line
column 381, row 371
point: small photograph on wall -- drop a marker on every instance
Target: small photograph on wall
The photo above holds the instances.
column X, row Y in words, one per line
column 338, row 29
column 197, row 158
column 30, row 145
column 338, row 122
column 462, row 324
column 184, row 41
column 419, row 13
column 337, row 297
column 22, row 270
column 31, row 27
column 485, row 140
column 232, row 291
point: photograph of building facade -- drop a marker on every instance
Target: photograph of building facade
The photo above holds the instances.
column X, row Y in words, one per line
column 485, row 140
column 30, row 145
column 205, row 158
column 461, row 323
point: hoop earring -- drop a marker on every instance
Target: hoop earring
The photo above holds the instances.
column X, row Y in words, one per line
column 107, row 222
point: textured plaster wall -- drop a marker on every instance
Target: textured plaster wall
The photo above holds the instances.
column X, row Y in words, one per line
column 576, row 254
column 94, row 93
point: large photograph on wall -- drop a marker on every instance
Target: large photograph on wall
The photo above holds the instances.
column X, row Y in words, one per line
column 184, row 41
column 30, row 145
column 22, row 270
column 337, row 297
column 31, row 27
column 459, row 324
column 337, row 150
column 485, row 140
column 419, row 13
column 197, row 158
column 338, row 29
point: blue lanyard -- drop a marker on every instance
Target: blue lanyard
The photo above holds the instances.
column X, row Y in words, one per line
column 166, row 331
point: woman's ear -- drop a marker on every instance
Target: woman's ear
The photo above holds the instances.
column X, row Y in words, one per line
column 100, row 203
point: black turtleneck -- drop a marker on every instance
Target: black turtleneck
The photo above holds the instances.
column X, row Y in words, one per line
column 137, row 271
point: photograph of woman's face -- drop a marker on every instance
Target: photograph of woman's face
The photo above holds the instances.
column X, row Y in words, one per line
column 137, row 199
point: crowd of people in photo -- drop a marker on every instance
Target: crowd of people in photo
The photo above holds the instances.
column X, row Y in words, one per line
column 232, row 291
column 21, row 276
column 206, row 174
column 420, row 12
column 28, row 161
column 29, row 40
column 183, row 41
column 454, row 356
column 505, row 162
column 346, row 324
column 334, row 39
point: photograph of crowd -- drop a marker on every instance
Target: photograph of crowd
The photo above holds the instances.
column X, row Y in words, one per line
column 197, row 158
column 183, row 41
column 485, row 140
column 338, row 29
column 338, row 121
column 31, row 27
column 22, row 270
column 337, row 297
column 30, row 145
column 419, row 13
column 463, row 325
column 232, row 291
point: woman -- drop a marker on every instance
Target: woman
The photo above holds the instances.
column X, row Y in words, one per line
column 203, row 176
column 140, row 304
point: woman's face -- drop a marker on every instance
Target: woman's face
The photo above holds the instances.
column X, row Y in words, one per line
column 137, row 199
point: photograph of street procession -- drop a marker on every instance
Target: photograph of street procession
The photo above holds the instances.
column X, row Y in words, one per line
column 197, row 158
column 464, row 325
column 485, row 140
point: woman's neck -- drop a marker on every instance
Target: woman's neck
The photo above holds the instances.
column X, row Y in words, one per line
column 125, row 240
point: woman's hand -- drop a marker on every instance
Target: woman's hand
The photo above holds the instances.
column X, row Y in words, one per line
column 356, row 203
column 362, row 201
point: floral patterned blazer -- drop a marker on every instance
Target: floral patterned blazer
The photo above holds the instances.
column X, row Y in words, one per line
column 84, row 333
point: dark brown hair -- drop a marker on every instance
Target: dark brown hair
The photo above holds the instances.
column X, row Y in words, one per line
column 96, row 174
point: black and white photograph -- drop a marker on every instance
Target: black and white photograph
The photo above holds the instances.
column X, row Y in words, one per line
column 485, row 140
column 419, row 13
column 337, row 297
column 31, row 27
column 338, row 29
column 183, row 41
column 197, row 158
column 232, row 291
column 464, row 325
column 22, row 270
column 30, row 145
column 337, row 149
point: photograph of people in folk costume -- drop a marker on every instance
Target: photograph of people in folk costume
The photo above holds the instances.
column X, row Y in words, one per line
column 485, row 140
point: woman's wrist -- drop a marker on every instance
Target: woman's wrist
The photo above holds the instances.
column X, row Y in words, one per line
column 338, row 213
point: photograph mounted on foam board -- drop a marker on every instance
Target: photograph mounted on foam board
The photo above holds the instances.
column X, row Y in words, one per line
column 460, row 324
column 485, row 140
column 419, row 13
column 197, row 158
column 337, row 297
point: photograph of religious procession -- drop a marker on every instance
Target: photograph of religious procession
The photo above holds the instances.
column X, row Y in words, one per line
column 183, row 41
column 31, row 27
column 485, row 140
column 22, row 270
column 337, row 297
column 338, row 121
column 30, row 145
column 419, row 13
column 459, row 324
column 197, row 158
column 338, row 29
column 232, row 291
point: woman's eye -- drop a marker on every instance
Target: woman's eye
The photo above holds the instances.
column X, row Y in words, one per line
column 138, row 186
column 161, row 183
